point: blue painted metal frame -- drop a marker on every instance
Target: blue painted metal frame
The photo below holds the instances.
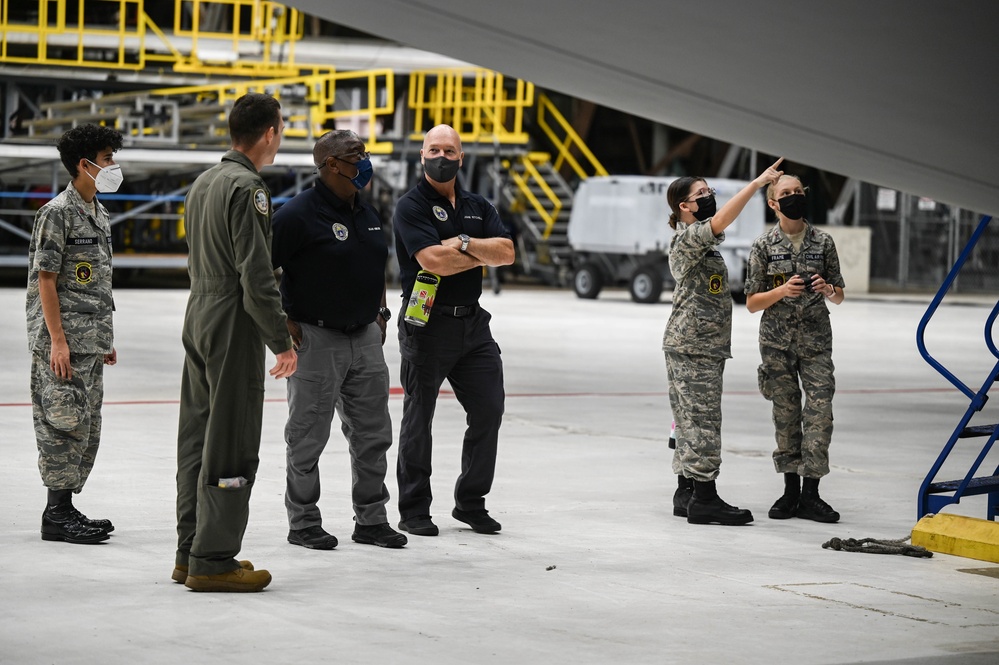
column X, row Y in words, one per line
column 930, row 501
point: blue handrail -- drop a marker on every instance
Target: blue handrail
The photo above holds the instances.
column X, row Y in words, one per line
column 989, row 323
column 159, row 198
column 977, row 399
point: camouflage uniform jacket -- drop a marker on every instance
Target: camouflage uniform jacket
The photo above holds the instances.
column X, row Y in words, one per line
column 229, row 236
column 801, row 322
column 68, row 241
column 701, row 321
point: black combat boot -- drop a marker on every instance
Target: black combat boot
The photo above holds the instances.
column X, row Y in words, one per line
column 706, row 507
column 811, row 507
column 786, row 506
column 106, row 525
column 61, row 521
column 684, row 490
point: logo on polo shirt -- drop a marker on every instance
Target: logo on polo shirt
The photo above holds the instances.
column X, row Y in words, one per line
column 440, row 213
column 340, row 231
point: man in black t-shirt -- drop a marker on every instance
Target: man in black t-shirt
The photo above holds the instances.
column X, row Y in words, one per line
column 332, row 250
column 453, row 234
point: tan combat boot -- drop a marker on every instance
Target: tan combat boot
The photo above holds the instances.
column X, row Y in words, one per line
column 239, row 580
column 180, row 572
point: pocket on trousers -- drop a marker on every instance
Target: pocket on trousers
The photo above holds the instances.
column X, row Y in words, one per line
column 410, row 351
column 64, row 405
column 231, row 506
column 765, row 382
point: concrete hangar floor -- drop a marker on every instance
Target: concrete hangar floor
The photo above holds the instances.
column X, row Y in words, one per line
column 591, row 565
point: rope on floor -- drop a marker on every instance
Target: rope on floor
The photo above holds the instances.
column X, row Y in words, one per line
column 875, row 546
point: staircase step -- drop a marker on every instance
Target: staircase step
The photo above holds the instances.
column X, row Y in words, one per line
column 977, row 430
column 981, row 485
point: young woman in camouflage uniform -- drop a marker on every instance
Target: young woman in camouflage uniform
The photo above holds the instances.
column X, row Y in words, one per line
column 793, row 270
column 698, row 340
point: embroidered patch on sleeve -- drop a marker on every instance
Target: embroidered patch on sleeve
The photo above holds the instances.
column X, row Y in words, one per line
column 260, row 201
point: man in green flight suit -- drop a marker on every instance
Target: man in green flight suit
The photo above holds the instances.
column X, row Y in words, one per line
column 233, row 311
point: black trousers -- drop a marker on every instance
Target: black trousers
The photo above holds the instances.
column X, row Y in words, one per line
column 461, row 350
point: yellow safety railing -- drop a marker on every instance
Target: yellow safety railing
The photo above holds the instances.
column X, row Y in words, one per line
column 565, row 140
column 476, row 102
column 86, row 32
column 531, row 175
column 258, row 21
column 311, row 107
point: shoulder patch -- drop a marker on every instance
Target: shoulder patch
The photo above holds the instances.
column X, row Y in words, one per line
column 260, row 201
column 440, row 213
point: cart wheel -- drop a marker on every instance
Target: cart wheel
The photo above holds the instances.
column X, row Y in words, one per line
column 646, row 285
column 587, row 281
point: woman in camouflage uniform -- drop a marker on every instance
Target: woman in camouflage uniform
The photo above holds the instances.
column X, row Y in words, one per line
column 793, row 270
column 698, row 340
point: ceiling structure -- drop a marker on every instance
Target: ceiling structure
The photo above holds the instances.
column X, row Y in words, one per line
column 901, row 93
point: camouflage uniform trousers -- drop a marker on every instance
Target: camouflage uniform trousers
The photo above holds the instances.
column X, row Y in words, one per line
column 67, row 418
column 803, row 434
column 695, row 389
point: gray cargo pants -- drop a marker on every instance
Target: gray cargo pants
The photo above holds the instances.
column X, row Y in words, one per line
column 346, row 372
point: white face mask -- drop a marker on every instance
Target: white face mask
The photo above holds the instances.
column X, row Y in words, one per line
column 109, row 179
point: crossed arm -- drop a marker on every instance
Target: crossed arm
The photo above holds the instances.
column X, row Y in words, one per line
column 448, row 259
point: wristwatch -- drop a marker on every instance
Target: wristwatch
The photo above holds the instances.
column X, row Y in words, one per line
column 464, row 242
column 385, row 313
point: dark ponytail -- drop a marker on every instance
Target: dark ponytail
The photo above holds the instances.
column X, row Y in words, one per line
column 678, row 190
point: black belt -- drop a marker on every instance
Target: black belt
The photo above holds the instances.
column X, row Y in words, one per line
column 457, row 311
column 354, row 327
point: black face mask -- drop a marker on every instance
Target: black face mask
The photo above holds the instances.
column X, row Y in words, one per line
column 441, row 169
column 706, row 207
column 793, row 206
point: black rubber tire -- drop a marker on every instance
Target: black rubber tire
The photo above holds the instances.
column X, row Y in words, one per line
column 646, row 285
column 587, row 281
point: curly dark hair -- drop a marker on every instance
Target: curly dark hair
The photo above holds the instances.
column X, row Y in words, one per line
column 84, row 142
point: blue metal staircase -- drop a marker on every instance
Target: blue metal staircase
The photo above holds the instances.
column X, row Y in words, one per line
column 933, row 494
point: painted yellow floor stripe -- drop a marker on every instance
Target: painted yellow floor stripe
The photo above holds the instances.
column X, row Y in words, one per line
column 958, row 535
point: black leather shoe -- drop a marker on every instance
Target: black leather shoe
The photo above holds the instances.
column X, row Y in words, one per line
column 313, row 537
column 681, row 499
column 60, row 523
column 784, row 508
column 378, row 534
column 716, row 511
column 97, row 524
column 811, row 507
column 421, row 525
column 479, row 520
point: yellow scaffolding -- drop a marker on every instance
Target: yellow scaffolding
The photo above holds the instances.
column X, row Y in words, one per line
column 476, row 102
column 91, row 30
column 314, row 107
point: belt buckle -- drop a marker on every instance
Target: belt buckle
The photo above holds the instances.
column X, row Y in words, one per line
column 461, row 310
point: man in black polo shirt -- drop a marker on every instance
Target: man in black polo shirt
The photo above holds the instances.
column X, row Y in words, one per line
column 452, row 233
column 332, row 251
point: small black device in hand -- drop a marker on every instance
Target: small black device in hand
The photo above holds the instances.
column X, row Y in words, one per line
column 808, row 281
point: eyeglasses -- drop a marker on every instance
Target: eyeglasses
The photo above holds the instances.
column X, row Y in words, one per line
column 358, row 155
column 701, row 194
